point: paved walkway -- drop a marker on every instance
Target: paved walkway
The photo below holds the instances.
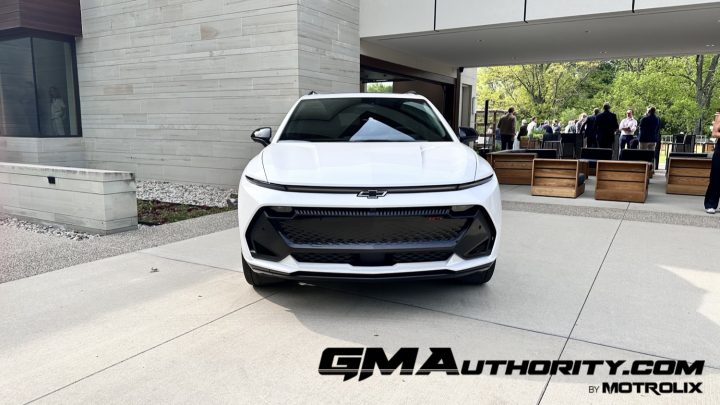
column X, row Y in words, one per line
column 660, row 207
column 192, row 331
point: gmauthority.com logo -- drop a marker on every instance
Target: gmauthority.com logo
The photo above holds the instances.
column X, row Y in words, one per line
column 364, row 362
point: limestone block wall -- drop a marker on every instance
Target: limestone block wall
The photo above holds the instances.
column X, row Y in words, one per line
column 329, row 46
column 171, row 90
column 47, row 151
column 95, row 201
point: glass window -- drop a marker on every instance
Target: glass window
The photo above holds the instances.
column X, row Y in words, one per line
column 55, row 84
column 37, row 88
column 366, row 119
column 18, row 106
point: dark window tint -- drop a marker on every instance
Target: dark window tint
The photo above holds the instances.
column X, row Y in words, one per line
column 55, row 87
column 364, row 120
column 18, row 105
column 38, row 95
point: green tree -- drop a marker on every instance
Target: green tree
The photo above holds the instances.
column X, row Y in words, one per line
column 379, row 87
column 543, row 90
column 683, row 89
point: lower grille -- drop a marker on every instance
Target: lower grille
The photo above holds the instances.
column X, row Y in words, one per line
column 370, row 237
column 414, row 257
column 359, row 259
column 323, row 257
column 382, row 229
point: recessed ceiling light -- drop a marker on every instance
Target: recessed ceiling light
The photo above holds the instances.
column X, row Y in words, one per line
column 603, row 52
column 710, row 45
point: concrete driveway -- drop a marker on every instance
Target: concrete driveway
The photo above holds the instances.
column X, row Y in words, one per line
column 192, row 331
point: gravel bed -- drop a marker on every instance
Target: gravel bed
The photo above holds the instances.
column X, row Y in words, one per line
column 191, row 194
column 45, row 229
column 23, row 254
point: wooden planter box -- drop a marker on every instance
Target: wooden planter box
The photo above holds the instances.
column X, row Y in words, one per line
column 689, row 176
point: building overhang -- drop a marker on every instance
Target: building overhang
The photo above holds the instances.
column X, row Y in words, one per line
column 620, row 34
column 47, row 16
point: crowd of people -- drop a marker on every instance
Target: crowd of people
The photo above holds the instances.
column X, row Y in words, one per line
column 598, row 129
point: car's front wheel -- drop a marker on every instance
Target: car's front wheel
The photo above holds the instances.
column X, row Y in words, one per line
column 257, row 279
column 478, row 278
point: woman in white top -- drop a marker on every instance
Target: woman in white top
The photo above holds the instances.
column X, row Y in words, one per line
column 57, row 112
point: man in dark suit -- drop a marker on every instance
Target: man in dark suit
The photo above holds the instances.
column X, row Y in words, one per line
column 506, row 126
column 589, row 129
column 606, row 124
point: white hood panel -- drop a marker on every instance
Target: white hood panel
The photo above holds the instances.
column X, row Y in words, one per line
column 369, row 164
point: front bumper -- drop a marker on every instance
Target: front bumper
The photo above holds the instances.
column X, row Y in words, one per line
column 364, row 258
column 312, row 276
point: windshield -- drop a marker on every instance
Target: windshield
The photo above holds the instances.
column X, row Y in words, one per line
column 364, row 120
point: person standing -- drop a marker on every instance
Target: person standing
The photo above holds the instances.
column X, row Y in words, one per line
column 589, row 129
column 556, row 126
column 523, row 129
column 506, row 126
column 570, row 127
column 532, row 125
column 712, row 196
column 57, row 112
column 606, row 124
column 649, row 129
column 628, row 126
column 547, row 128
column 580, row 122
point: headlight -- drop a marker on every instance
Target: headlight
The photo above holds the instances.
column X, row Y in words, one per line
column 266, row 184
column 475, row 183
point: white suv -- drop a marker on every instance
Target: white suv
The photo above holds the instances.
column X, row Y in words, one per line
column 367, row 187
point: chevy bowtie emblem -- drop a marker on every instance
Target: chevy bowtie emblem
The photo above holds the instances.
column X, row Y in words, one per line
column 372, row 194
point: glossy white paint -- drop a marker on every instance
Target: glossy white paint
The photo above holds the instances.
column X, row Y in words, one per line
column 373, row 164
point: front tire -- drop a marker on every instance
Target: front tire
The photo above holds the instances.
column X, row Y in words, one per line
column 256, row 279
column 478, row 278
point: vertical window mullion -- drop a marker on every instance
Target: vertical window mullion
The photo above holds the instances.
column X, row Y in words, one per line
column 37, row 96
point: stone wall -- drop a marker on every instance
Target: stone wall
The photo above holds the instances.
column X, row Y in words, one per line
column 95, row 201
column 329, row 46
column 47, row 151
column 171, row 90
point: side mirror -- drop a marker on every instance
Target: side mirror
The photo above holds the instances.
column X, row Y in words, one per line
column 467, row 135
column 262, row 136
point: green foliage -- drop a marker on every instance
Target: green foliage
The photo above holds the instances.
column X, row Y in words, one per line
column 565, row 90
column 379, row 87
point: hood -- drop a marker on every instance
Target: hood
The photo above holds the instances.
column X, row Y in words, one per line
column 369, row 164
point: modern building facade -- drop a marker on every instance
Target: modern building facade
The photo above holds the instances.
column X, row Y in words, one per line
column 171, row 89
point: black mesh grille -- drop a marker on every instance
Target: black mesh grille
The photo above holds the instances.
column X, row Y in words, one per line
column 388, row 259
column 380, row 212
column 370, row 237
column 358, row 230
column 415, row 257
column 323, row 257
